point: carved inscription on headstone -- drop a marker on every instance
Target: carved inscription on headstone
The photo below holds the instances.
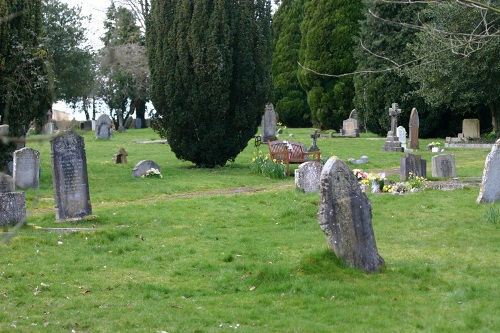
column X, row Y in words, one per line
column 69, row 173
column 26, row 171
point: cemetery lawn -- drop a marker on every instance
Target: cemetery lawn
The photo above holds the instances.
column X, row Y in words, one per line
column 214, row 250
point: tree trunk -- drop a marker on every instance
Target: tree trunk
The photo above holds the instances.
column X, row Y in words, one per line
column 140, row 112
column 495, row 116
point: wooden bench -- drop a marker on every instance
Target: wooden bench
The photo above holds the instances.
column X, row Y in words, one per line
column 290, row 152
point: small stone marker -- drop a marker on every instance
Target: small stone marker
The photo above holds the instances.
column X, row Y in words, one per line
column 269, row 124
column 414, row 126
column 471, row 129
column 103, row 127
column 443, row 166
column 415, row 164
column 350, row 127
column 120, row 157
column 307, row 176
column 392, row 143
column 345, row 216
column 12, row 204
column 143, row 166
column 490, row 184
column 26, row 171
column 401, row 134
column 70, row 178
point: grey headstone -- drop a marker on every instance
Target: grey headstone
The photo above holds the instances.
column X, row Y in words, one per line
column 6, row 183
column 143, row 166
column 86, row 125
column 392, row 143
column 443, row 166
column 12, row 208
column 129, row 122
column 345, row 216
column 26, row 172
column 103, row 127
column 471, row 129
column 138, row 123
column 350, row 128
column 415, row 164
column 4, row 130
column 269, row 124
column 414, row 126
column 307, row 176
column 490, row 185
column 70, row 178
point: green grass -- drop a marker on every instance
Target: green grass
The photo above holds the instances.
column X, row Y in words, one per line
column 219, row 250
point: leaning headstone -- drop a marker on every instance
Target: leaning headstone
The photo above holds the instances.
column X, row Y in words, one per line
column 443, row 166
column 471, row 129
column 392, row 143
column 401, row 133
column 26, row 171
column 6, row 183
column 490, row 184
column 415, row 164
column 269, row 124
column 103, row 127
column 307, row 176
column 350, row 127
column 345, row 216
column 142, row 167
column 414, row 126
column 70, row 178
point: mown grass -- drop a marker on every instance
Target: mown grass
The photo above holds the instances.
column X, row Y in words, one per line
column 218, row 250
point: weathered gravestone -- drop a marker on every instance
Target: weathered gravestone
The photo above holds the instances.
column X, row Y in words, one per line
column 103, row 127
column 120, row 157
column 12, row 204
column 392, row 143
column 86, row 125
column 471, row 129
column 269, row 124
column 129, row 122
column 70, row 178
column 415, row 164
column 26, row 171
column 142, row 167
column 401, row 134
column 414, row 126
column 307, row 176
column 345, row 216
column 490, row 185
column 443, row 166
column 138, row 123
column 350, row 127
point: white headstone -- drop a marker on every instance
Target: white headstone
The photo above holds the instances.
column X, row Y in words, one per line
column 401, row 134
column 490, row 185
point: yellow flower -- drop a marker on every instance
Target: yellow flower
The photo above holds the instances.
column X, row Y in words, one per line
column 274, row 160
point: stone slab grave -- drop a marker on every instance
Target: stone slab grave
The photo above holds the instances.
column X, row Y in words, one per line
column 26, row 168
column 345, row 216
column 142, row 167
column 12, row 204
column 350, row 127
column 70, row 178
column 120, row 157
column 307, row 176
column 392, row 142
column 103, row 127
column 443, row 166
column 269, row 121
column 413, row 163
column 413, row 128
column 489, row 191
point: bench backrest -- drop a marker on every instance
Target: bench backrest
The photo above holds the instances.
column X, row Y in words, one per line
column 283, row 151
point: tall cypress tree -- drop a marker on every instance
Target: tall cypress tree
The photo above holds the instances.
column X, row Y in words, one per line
column 327, row 47
column 210, row 72
column 290, row 98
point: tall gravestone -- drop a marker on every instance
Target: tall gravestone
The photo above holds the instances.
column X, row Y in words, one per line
column 490, row 184
column 345, row 216
column 103, row 127
column 307, row 176
column 471, row 129
column 415, row 164
column 269, row 124
column 401, row 133
column 392, row 142
column 70, row 178
column 12, row 204
column 414, row 126
column 443, row 166
column 26, row 171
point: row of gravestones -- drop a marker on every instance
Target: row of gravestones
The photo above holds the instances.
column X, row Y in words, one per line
column 69, row 176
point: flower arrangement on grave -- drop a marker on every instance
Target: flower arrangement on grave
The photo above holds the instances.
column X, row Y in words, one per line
column 432, row 145
column 414, row 184
column 361, row 176
column 281, row 128
column 152, row 173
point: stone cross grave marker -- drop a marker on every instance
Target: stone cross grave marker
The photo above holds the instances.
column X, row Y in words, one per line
column 345, row 216
column 307, row 176
column 394, row 112
column 443, row 166
column 142, row 167
column 413, row 163
column 392, row 143
column 269, row 123
column 489, row 190
column 314, row 137
column 26, row 171
column 103, row 127
column 12, row 204
column 414, row 126
column 70, row 178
